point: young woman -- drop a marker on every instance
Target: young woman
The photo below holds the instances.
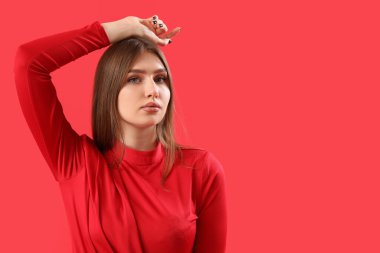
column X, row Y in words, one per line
column 132, row 188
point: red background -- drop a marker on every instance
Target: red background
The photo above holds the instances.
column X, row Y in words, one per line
column 284, row 93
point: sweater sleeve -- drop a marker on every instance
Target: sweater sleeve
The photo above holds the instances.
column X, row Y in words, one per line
column 211, row 234
column 59, row 144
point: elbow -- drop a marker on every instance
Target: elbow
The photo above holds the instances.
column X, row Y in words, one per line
column 22, row 61
column 23, row 57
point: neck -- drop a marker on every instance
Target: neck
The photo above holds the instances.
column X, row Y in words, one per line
column 140, row 138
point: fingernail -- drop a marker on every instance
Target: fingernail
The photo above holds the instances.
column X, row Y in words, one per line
column 154, row 22
column 170, row 41
column 161, row 25
column 154, row 17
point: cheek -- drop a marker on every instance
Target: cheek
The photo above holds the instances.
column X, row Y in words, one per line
column 125, row 104
column 166, row 94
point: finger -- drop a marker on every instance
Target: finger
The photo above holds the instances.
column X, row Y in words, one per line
column 153, row 37
column 172, row 33
column 148, row 22
column 162, row 28
column 152, row 18
column 154, row 21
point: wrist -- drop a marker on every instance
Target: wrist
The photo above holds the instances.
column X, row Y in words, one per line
column 112, row 30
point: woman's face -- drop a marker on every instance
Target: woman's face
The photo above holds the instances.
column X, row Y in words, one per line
column 146, row 82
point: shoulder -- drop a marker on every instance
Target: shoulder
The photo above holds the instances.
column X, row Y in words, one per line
column 203, row 161
column 93, row 157
column 188, row 156
column 87, row 142
column 89, row 148
column 211, row 165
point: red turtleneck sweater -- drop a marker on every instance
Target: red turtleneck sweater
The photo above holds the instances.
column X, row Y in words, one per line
column 121, row 209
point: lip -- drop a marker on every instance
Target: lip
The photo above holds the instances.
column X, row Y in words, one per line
column 152, row 104
column 151, row 109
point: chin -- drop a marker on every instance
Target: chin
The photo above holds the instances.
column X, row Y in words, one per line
column 147, row 124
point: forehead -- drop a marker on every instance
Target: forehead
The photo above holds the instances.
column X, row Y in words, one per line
column 148, row 61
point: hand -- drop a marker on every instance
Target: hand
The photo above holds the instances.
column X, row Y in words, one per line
column 131, row 25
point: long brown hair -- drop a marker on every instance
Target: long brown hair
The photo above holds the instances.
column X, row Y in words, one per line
column 110, row 76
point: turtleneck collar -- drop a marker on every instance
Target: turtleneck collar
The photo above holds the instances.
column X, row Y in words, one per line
column 134, row 156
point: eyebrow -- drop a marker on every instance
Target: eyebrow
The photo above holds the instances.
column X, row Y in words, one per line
column 143, row 71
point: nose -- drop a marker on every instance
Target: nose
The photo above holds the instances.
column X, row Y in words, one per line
column 151, row 89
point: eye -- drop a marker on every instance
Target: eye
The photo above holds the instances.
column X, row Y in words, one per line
column 163, row 78
column 135, row 80
column 132, row 79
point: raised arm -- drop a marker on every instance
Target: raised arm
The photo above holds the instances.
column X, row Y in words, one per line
column 60, row 145
column 211, row 234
